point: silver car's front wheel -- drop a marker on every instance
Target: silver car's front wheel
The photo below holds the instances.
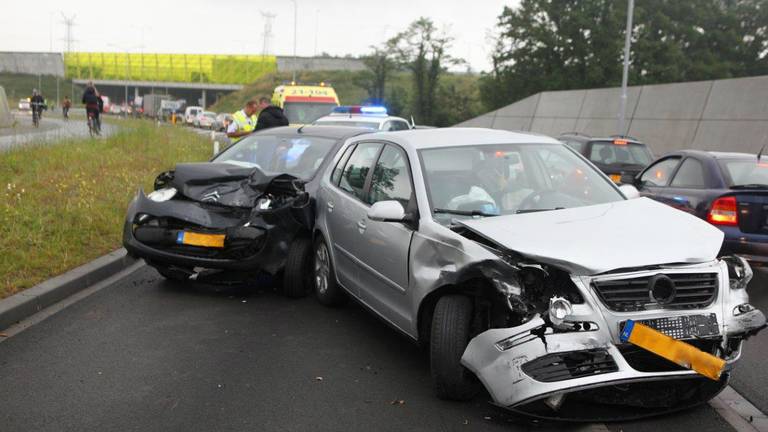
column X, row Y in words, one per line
column 327, row 290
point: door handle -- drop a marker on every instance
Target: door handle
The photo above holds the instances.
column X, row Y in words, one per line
column 330, row 206
column 361, row 226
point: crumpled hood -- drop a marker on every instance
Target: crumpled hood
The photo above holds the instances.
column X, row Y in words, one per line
column 229, row 184
column 600, row 238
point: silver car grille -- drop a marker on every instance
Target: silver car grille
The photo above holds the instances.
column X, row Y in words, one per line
column 692, row 291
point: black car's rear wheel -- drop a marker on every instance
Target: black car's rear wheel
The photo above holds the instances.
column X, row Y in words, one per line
column 298, row 271
column 451, row 329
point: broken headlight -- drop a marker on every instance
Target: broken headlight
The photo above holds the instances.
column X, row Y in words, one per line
column 162, row 195
column 739, row 271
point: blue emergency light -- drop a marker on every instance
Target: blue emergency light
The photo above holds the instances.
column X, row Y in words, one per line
column 357, row 109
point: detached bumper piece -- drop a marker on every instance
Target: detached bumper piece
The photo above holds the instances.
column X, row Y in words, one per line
column 569, row 365
column 672, row 349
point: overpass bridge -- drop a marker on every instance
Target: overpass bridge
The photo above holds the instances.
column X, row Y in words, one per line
column 194, row 77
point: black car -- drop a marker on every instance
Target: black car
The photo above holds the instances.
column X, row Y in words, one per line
column 619, row 157
column 246, row 213
column 729, row 190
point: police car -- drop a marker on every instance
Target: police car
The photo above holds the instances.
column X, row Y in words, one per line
column 370, row 117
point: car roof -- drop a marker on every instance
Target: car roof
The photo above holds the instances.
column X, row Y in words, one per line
column 712, row 154
column 455, row 137
column 334, row 132
column 586, row 138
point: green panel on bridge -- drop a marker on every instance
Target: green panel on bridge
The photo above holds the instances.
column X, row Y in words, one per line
column 191, row 68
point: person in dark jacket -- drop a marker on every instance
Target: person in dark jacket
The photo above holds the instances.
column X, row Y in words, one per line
column 93, row 104
column 270, row 115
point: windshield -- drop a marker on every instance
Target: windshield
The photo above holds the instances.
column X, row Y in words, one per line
column 608, row 153
column 745, row 171
column 298, row 156
column 306, row 112
column 489, row 180
column 363, row 124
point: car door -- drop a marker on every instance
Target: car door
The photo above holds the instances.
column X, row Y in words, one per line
column 653, row 182
column 688, row 190
column 384, row 247
column 347, row 213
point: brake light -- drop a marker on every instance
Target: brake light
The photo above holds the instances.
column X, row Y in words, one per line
column 620, row 142
column 724, row 212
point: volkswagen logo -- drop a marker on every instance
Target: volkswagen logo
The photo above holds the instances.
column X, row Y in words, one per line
column 661, row 289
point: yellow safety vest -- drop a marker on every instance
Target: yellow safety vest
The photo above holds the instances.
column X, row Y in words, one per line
column 244, row 123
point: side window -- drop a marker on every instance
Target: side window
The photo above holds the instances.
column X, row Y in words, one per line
column 576, row 145
column 658, row 174
column 398, row 125
column 391, row 179
column 357, row 168
column 690, row 174
column 336, row 175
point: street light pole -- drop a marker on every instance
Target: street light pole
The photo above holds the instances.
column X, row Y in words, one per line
column 295, row 28
column 625, row 74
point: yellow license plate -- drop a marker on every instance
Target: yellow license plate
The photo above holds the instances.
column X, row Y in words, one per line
column 198, row 239
column 616, row 178
column 685, row 355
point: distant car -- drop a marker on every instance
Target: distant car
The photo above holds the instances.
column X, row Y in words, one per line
column 248, row 212
column 205, row 120
column 222, row 121
column 619, row 157
column 729, row 190
column 24, row 104
column 115, row 109
column 370, row 117
column 190, row 113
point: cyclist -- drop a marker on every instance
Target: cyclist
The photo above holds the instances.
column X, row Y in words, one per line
column 37, row 103
column 93, row 104
column 65, row 106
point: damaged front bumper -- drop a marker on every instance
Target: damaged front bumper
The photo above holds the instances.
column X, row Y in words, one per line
column 248, row 241
column 567, row 374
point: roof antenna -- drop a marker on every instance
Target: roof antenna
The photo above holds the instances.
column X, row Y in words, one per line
column 760, row 153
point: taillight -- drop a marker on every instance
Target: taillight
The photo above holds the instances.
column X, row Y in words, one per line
column 724, row 212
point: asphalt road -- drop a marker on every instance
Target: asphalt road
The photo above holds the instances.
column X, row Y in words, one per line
column 146, row 354
column 52, row 129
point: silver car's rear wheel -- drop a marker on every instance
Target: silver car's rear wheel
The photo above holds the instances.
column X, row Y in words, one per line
column 327, row 290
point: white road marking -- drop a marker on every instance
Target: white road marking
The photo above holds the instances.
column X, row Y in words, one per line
column 739, row 412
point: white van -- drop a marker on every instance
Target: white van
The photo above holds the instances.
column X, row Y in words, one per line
column 190, row 113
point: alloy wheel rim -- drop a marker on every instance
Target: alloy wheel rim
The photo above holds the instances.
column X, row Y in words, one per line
column 321, row 269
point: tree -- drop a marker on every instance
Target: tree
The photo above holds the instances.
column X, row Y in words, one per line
column 380, row 63
column 566, row 44
column 422, row 50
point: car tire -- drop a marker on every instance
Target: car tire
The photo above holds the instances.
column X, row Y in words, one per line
column 297, row 275
column 451, row 326
column 327, row 290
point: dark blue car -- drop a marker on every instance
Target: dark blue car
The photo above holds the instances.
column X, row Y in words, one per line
column 729, row 190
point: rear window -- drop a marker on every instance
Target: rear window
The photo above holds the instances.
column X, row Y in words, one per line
column 744, row 171
column 608, row 153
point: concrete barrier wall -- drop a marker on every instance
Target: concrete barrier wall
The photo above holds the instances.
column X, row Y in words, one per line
column 725, row 115
column 6, row 119
column 32, row 63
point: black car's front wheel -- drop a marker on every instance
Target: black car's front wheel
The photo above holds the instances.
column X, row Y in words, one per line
column 451, row 330
column 297, row 276
column 327, row 290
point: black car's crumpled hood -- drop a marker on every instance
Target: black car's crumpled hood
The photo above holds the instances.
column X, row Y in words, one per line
column 228, row 184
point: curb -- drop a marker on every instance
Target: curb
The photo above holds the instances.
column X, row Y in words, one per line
column 28, row 302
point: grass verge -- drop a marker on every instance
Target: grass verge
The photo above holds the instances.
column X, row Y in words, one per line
column 63, row 205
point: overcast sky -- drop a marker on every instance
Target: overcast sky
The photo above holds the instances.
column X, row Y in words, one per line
column 236, row 26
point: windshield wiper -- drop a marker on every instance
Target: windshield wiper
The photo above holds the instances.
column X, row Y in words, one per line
column 464, row 212
column 537, row 210
column 750, row 186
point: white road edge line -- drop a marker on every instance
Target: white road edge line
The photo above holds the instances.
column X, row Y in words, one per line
column 739, row 412
column 57, row 307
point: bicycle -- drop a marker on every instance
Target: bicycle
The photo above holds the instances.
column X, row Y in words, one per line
column 94, row 125
column 37, row 110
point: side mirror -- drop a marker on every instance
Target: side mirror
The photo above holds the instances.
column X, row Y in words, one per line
column 387, row 211
column 629, row 191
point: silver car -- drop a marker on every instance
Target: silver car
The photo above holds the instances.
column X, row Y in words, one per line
column 519, row 264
